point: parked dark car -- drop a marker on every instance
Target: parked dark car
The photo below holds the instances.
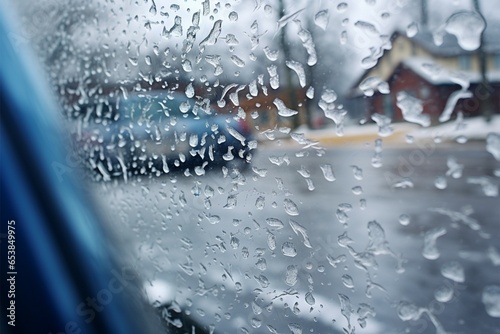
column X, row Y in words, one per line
column 157, row 132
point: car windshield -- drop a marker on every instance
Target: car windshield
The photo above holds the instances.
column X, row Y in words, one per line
column 277, row 166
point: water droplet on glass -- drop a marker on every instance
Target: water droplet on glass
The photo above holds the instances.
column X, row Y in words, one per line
column 327, row 172
column 412, row 109
column 404, row 219
column 262, row 280
column 412, row 30
column 283, row 110
column 299, row 70
column 190, row 91
column 237, row 61
column 233, row 16
column 408, row 311
column 275, row 223
column 443, row 294
column 343, row 37
column 342, row 7
column 344, row 240
column 299, row 229
column 214, row 34
column 290, row 207
column 347, row 281
column 260, row 203
column 234, row 242
column 288, row 249
column 321, row 19
column 261, row 264
column 291, row 275
column 454, row 169
column 310, row 298
column 430, row 250
column 384, row 124
column 467, row 27
column 357, row 172
column 295, row 328
column 493, row 144
column 454, row 271
column 491, row 300
column 440, row 182
column 334, row 261
column 231, row 202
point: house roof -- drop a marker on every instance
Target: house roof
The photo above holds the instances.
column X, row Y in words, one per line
column 450, row 46
column 439, row 75
column 433, row 73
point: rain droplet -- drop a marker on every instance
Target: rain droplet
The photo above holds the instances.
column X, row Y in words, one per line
column 454, row 271
column 288, row 249
column 310, row 93
column 231, row 202
column 327, row 172
column 343, row 37
column 291, row 275
column 384, row 124
column 190, row 91
column 261, row 264
column 336, row 260
column 272, row 55
column 233, row 16
column 321, row 19
column 290, row 207
column 491, row 300
column 295, row 328
column 347, row 281
column 310, row 298
column 262, row 280
column 260, row 203
column 443, row 294
column 404, row 219
column 237, row 61
column 454, row 169
column 493, row 144
column 234, row 242
column 275, row 222
column 467, row 27
column 357, row 172
column 440, row 182
column 283, row 110
column 214, row 34
column 299, row 229
column 344, row 240
column 299, row 70
column 430, row 250
column 412, row 109
column 412, row 30
column 357, row 190
column 408, row 311
column 342, row 7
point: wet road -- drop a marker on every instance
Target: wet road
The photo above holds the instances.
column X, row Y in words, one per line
column 286, row 248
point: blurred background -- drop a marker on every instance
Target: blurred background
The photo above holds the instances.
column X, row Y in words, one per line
column 287, row 166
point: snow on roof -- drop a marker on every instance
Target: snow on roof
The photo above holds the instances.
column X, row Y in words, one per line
column 439, row 75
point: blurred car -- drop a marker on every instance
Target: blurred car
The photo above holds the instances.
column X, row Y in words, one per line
column 158, row 131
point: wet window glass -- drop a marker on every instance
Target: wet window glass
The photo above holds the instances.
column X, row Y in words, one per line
column 277, row 166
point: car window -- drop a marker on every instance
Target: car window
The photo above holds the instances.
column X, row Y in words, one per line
column 289, row 166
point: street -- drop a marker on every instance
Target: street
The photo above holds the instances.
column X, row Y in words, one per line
column 407, row 247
